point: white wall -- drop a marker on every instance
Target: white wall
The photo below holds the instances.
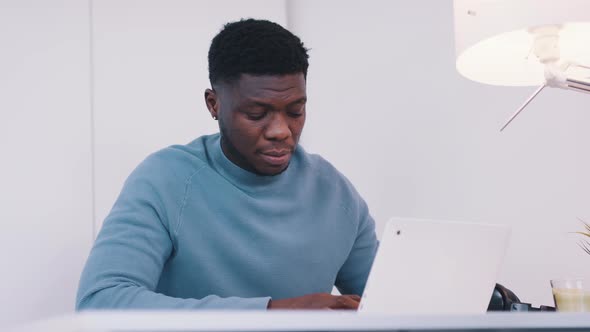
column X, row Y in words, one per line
column 45, row 192
column 388, row 108
column 151, row 74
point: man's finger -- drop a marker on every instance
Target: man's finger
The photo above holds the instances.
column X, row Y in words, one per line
column 354, row 297
column 344, row 302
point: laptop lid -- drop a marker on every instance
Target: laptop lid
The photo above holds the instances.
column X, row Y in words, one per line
column 434, row 267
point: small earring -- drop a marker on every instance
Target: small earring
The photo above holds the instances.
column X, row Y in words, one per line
column 214, row 117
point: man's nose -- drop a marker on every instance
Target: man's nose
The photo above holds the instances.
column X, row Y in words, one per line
column 278, row 128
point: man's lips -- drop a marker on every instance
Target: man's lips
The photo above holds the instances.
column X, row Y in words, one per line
column 276, row 157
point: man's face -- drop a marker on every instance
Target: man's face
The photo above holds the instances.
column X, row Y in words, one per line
column 260, row 119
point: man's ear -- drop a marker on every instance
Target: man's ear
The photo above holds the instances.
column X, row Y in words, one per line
column 212, row 102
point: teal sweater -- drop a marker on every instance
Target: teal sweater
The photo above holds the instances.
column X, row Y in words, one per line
column 191, row 229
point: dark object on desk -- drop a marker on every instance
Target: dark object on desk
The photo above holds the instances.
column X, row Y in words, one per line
column 503, row 299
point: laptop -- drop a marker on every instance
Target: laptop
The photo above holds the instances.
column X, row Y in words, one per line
column 434, row 267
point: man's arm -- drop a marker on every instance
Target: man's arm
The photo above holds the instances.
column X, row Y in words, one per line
column 317, row 301
column 125, row 264
column 353, row 274
column 124, row 268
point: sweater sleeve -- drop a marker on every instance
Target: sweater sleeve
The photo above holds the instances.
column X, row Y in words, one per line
column 353, row 274
column 125, row 264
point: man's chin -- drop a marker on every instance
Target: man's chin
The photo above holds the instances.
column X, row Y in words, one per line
column 273, row 170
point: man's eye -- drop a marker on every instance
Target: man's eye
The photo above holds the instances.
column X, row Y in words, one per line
column 256, row 116
column 295, row 115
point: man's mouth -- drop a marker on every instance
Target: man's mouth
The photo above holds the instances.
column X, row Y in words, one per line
column 276, row 157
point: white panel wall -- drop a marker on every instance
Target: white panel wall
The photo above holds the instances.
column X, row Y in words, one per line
column 151, row 75
column 388, row 108
column 45, row 192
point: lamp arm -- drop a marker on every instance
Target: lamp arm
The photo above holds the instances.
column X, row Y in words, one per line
column 577, row 85
column 539, row 89
column 556, row 77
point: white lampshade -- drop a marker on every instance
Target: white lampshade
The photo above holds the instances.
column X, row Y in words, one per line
column 494, row 43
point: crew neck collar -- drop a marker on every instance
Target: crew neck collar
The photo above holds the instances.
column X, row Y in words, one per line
column 242, row 178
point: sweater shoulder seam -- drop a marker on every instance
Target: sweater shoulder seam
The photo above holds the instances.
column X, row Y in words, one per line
column 187, row 186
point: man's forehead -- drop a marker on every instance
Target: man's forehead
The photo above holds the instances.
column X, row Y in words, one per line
column 271, row 82
column 261, row 86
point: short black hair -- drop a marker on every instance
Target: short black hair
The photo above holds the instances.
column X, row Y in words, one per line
column 257, row 47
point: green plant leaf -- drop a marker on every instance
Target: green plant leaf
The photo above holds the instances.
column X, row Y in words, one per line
column 586, row 225
column 585, row 246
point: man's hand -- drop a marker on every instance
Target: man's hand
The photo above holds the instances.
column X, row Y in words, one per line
column 317, row 301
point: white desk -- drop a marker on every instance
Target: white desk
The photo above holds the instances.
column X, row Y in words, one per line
column 213, row 321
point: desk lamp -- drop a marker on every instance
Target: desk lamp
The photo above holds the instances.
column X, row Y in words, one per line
column 544, row 43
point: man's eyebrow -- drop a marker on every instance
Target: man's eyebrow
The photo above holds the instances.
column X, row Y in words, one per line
column 301, row 100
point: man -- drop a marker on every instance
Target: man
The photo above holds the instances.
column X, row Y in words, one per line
column 244, row 219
